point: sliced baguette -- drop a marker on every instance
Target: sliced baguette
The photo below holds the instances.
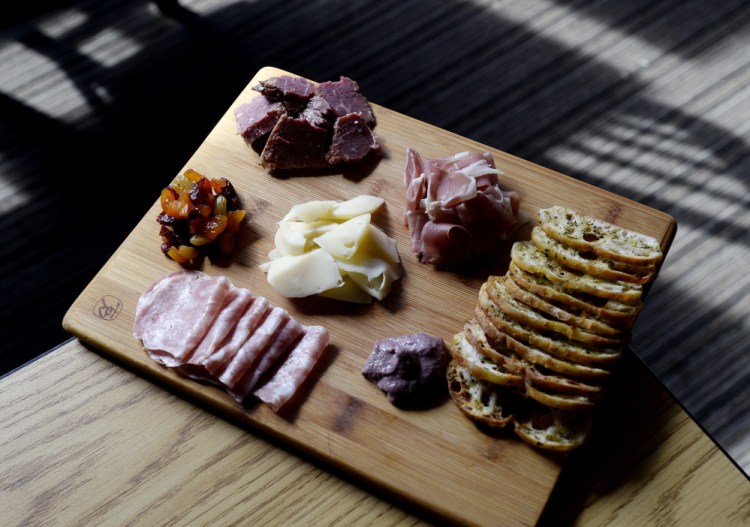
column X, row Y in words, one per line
column 553, row 429
column 563, row 349
column 562, row 401
column 526, row 256
column 587, row 323
column 589, row 263
column 588, row 307
column 479, row 400
column 610, row 241
column 540, row 321
column 504, row 359
column 478, row 365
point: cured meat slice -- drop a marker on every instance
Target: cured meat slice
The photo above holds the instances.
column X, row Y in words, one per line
column 352, row 140
column 286, row 88
column 286, row 336
column 257, row 117
column 295, row 143
column 290, row 376
column 173, row 316
column 206, row 329
column 237, row 303
column 253, row 347
column 244, row 328
column 344, row 97
column 455, row 208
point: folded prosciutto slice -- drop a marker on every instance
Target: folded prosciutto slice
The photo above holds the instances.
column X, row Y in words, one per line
column 455, row 208
column 207, row 329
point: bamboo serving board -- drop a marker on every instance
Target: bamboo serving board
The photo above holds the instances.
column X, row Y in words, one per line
column 433, row 458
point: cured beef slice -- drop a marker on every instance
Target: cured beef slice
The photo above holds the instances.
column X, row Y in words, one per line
column 308, row 126
column 295, row 143
column 345, row 98
column 286, row 88
column 257, row 117
column 352, row 140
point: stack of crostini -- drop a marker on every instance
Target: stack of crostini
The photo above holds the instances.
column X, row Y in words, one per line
column 546, row 336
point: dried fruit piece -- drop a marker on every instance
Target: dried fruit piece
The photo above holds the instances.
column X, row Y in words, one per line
column 199, row 217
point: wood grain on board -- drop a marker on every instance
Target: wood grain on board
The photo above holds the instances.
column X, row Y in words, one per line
column 422, row 456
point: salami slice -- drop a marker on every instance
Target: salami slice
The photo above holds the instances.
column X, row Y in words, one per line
column 286, row 337
column 173, row 316
column 254, row 347
column 292, row 373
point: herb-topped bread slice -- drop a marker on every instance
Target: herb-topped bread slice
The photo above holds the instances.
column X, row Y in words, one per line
column 529, row 258
column 585, row 233
column 586, row 262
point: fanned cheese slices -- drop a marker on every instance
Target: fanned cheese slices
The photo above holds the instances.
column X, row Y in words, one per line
column 547, row 336
column 331, row 248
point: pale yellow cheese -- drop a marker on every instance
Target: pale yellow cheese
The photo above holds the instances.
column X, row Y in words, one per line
column 303, row 275
column 344, row 240
column 332, row 249
column 346, row 210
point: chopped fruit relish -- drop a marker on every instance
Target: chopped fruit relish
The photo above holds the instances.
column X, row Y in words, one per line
column 200, row 217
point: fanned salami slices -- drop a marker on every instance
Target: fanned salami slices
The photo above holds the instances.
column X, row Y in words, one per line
column 206, row 328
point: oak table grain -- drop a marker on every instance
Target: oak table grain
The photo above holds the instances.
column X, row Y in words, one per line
column 85, row 440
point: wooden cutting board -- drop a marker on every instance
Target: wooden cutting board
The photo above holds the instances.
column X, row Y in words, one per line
column 434, row 458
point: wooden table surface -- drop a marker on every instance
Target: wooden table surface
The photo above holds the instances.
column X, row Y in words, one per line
column 87, row 441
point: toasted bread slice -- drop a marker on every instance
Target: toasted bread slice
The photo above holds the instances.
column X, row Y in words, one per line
column 561, row 348
column 609, row 241
column 562, row 401
column 590, row 263
column 526, row 256
column 479, row 400
column 538, row 321
column 567, row 315
column 533, row 355
column 479, row 365
column 504, row 359
column 553, row 382
column 553, row 429
column 587, row 306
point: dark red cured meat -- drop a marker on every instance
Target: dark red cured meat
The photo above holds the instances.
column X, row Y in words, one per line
column 286, row 88
column 295, row 143
column 318, row 112
column 352, row 140
column 345, row 98
column 257, row 117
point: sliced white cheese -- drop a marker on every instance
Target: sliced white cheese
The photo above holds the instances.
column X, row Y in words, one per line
column 310, row 211
column 380, row 245
column 303, row 275
column 296, row 237
column 378, row 287
column 349, row 292
column 346, row 210
column 344, row 240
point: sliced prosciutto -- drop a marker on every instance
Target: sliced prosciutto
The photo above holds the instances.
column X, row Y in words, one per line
column 280, row 388
column 456, row 210
column 205, row 328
